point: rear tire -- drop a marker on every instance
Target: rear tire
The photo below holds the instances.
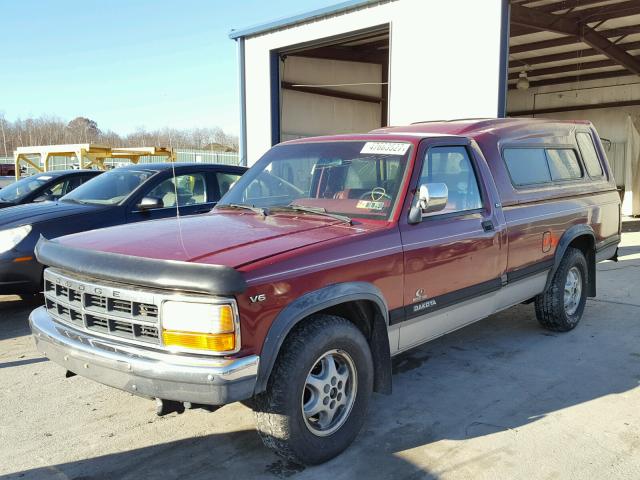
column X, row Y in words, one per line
column 318, row 392
column 560, row 308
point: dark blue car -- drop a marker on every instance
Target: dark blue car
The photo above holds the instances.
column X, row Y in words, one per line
column 127, row 194
column 44, row 186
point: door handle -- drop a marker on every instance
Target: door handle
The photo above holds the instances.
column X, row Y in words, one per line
column 487, row 226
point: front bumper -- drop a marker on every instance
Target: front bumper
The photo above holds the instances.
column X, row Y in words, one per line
column 144, row 372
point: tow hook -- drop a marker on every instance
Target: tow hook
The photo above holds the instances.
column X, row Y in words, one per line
column 165, row 407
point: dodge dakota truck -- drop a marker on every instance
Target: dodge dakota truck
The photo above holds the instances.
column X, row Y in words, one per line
column 327, row 258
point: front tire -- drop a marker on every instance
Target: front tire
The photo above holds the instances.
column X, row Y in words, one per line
column 318, row 392
column 560, row 308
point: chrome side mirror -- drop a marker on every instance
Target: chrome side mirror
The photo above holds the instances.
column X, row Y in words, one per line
column 432, row 197
column 150, row 203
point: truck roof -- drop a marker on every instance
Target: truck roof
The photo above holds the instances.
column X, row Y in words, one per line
column 503, row 128
column 492, row 130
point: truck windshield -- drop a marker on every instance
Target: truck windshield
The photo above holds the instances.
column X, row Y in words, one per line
column 20, row 189
column 110, row 188
column 351, row 178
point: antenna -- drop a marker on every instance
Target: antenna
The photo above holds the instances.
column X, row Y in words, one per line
column 178, row 219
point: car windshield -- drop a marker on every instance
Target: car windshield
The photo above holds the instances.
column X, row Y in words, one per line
column 20, row 189
column 110, row 188
column 351, row 178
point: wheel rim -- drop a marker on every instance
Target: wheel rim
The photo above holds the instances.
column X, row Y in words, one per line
column 572, row 291
column 329, row 393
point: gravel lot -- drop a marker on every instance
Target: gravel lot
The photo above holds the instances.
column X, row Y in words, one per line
column 501, row 399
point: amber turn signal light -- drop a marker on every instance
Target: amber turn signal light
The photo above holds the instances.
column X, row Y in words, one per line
column 220, row 342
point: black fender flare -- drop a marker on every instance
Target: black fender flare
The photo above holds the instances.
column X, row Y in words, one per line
column 569, row 236
column 318, row 300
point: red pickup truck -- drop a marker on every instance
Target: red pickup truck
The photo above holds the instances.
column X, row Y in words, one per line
column 327, row 258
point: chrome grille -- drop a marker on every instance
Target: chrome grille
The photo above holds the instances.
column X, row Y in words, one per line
column 102, row 308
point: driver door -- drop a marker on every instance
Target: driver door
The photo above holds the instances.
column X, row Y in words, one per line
column 453, row 258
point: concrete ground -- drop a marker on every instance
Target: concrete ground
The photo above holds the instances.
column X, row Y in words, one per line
column 501, row 399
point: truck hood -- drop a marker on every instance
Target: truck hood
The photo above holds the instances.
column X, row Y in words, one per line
column 31, row 213
column 221, row 238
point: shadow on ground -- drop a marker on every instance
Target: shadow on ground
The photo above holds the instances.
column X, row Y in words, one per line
column 496, row 376
column 14, row 315
column 628, row 250
column 631, row 224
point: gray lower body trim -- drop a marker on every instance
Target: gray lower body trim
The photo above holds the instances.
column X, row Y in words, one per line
column 607, row 252
column 431, row 326
column 146, row 373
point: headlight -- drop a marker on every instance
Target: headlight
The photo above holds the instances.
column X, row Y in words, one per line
column 200, row 326
column 12, row 237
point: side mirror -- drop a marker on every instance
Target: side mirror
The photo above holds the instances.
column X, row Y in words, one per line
column 46, row 197
column 432, row 197
column 150, row 203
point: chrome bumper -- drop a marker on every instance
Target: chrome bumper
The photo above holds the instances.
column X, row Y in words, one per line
column 211, row 381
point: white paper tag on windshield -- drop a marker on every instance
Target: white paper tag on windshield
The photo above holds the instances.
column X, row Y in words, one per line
column 385, row 148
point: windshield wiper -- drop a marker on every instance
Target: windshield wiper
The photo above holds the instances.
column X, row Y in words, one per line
column 259, row 210
column 316, row 211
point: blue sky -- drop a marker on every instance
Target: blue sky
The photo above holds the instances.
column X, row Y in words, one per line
column 128, row 63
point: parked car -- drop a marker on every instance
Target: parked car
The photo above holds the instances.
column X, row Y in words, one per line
column 44, row 186
column 5, row 181
column 124, row 195
column 330, row 256
column 7, row 169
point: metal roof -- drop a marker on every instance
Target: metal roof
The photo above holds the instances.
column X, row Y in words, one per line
column 565, row 41
column 341, row 7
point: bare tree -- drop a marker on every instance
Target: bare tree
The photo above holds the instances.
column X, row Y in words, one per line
column 4, row 135
column 51, row 130
column 84, row 128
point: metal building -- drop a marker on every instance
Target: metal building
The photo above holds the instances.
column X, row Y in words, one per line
column 362, row 64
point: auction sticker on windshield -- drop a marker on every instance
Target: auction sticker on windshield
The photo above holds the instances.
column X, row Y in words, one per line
column 369, row 205
column 385, row 148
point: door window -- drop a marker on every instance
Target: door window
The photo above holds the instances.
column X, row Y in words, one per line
column 53, row 192
column 452, row 166
column 589, row 154
column 563, row 164
column 188, row 189
column 74, row 183
column 226, row 181
column 527, row 166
